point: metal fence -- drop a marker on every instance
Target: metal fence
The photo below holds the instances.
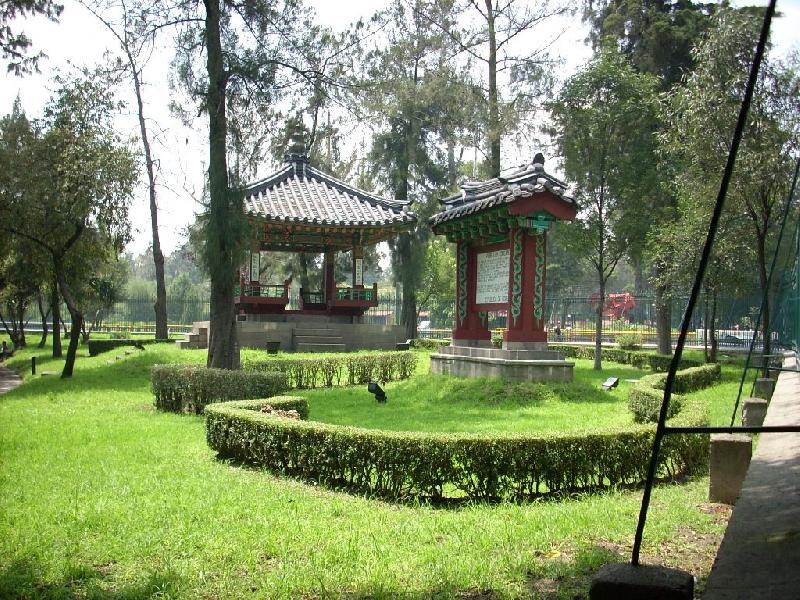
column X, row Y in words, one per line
column 573, row 315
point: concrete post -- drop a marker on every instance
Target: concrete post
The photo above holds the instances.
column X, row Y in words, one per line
column 730, row 458
column 641, row 582
column 753, row 412
column 764, row 388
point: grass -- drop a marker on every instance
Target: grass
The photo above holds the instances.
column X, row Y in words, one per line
column 102, row 497
column 449, row 404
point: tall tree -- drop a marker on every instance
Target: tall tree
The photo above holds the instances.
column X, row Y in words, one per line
column 657, row 38
column 415, row 101
column 601, row 117
column 485, row 30
column 80, row 179
column 255, row 52
column 699, row 137
column 135, row 31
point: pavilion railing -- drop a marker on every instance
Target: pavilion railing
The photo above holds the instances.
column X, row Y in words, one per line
column 260, row 291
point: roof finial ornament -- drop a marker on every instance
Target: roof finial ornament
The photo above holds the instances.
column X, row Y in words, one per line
column 538, row 162
column 296, row 152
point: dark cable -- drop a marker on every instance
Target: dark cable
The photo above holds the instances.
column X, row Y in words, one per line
column 701, row 271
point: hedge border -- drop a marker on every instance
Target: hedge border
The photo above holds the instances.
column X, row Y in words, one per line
column 645, row 396
column 99, row 346
column 409, row 465
column 330, row 371
column 191, row 388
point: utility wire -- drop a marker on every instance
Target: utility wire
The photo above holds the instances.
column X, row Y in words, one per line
column 765, row 299
column 701, row 271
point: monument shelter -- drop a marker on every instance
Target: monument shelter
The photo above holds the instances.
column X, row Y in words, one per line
column 500, row 231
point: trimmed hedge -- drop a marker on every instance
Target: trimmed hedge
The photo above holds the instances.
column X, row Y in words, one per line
column 190, row 388
column 635, row 358
column 426, row 344
column 644, row 398
column 404, row 465
column 99, row 346
column 352, row 369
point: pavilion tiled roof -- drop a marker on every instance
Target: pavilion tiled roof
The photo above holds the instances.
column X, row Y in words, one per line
column 476, row 197
column 299, row 193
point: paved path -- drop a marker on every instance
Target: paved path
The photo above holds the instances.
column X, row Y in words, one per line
column 8, row 379
column 760, row 554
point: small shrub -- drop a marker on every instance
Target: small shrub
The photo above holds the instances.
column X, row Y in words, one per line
column 190, row 388
column 629, row 341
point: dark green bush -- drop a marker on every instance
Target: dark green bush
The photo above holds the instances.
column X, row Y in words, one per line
column 99, row 346
column 189, row 388
column 348, row 369
column 426, row 344
column 645, row 397
column 402, row 465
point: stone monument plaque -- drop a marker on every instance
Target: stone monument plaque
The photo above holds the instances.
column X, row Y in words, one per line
column 492, row 281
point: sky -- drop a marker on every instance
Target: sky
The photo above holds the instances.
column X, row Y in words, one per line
column 79, row 39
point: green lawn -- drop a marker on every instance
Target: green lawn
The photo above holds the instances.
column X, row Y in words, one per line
column 442, row 403
column 102, row 497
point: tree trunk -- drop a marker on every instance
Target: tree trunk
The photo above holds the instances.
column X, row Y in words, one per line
column 494, row 111
column 44, row 316
column 765, row 315
column 55, row 305
column 705, row 327
column 663, row 320
column 160, row 307
column 74, row 313
column 712, row 356
column 638, row 276
column 223, row 350
column 598, row 323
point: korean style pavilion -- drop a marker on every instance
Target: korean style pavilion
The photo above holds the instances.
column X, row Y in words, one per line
column 301, row 209
column 500, row 231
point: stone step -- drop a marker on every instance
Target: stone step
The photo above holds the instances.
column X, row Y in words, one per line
column 186, row 345
column 324, row 331
column 318, row 339
column 313, row 347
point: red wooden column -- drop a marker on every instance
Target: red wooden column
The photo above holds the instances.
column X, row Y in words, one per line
column 330, row 280
column 470, row 329
column 526, row 291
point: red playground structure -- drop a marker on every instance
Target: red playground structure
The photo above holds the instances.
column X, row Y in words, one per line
column 617, row 306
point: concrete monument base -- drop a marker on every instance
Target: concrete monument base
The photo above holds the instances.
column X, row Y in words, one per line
column 511, row 365
column 641, row 582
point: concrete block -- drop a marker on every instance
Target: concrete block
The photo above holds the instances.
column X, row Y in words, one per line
column 730, row 458
column 753, row 412
column 641, row 582
column 764, row 388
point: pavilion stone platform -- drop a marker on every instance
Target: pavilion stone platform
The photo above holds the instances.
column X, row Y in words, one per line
column 511, row 365
column 319, row 333
column 500, row 229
